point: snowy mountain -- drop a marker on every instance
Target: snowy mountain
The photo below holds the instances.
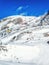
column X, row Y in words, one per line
column 14, row 26
column 24, row 40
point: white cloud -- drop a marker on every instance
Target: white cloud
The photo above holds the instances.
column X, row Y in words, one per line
column 24, row 13
column 20, row 7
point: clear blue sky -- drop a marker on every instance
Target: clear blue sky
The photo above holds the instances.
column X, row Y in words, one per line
column 23, row 7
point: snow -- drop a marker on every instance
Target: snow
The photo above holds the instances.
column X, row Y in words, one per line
column 26, row 55
column 25, row 44
column 19, row 53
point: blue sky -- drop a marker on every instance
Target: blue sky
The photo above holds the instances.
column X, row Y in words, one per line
column 23, row 7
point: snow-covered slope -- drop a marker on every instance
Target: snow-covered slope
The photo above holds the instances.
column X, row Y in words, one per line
column 24, row 40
